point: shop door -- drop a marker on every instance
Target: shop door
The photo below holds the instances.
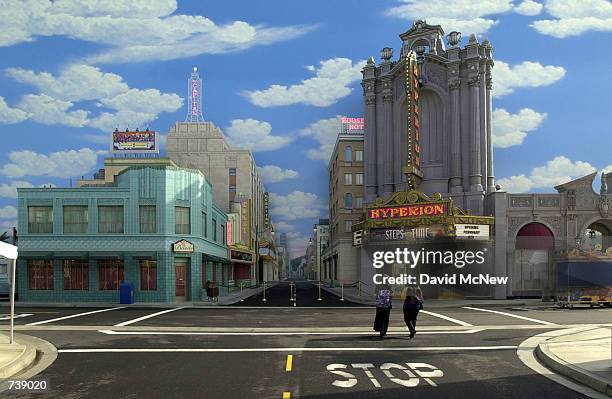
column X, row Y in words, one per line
column 180, row 269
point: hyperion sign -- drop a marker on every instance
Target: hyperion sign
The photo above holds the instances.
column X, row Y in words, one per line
column 352, row 125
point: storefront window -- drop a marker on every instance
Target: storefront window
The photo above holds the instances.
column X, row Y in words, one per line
column 110, row 219
column 40, row 219
column 76, row 275
column 110, row 274
column 75, row 219
column 40, row 274
column 148, row 219
column 182, row 225
column 148, row 275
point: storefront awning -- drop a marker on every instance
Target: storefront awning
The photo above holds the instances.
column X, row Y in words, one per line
column 35, row 255
column 106, row 255
column 144, row 256
column 213, row 258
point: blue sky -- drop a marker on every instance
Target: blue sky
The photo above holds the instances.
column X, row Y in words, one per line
column 276, row 76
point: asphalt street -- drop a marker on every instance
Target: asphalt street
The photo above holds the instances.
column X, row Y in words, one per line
column 316, row 349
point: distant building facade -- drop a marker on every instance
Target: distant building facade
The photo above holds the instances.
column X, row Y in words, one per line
column 152, row 224
column 346, row 204
column 238, row 187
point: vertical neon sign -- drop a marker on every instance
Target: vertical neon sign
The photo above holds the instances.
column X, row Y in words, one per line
column 194, row 96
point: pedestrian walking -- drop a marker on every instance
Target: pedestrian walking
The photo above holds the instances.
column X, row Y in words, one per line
column 413, row 303
column 383, row 310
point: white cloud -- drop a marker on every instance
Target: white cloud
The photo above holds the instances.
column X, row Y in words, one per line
column 608, row 169
column 255, row 135
column 133, row 108
column 57, row 164
column 325, row 132
column 529, row 8
column 557, row 171
column 10, row 115
column 150, row 101
column 511, row 129
column 109, row 121
column 575, row 17
column 8, row 212
column 526, row 74
column 134, row 31
column 275, row 174
column 77, row 82
column 330, row 84
column 51, row 111
column 465, row 16
column 9, row 190
column 284, row 227
column 296, row 205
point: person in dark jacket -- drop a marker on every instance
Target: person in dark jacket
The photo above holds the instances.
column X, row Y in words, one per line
column 413, row 303
column 383, row 310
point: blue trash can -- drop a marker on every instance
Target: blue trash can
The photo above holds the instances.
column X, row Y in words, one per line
column 126, row 293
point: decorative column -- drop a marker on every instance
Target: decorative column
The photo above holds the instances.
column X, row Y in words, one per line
column 387, row 139
column 475, row 163
column 370, row 172
column 454, row 86
column 489, row 110
column 484, row 128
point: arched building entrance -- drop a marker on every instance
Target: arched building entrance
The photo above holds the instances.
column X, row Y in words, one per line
column 532, row 267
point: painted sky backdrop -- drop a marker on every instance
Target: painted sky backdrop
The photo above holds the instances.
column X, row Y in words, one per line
column 277, row 75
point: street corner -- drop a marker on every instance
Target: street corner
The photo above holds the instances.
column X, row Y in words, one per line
column 22, row 360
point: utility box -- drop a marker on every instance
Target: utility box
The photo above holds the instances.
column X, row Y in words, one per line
column 126, row 293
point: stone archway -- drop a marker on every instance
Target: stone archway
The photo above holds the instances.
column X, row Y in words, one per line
column 532, row 269
column 597, row 235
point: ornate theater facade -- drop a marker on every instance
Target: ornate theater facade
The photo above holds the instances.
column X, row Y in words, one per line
column 429, row 178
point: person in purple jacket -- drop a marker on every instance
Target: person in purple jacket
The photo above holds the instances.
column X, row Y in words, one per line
column 383, row 310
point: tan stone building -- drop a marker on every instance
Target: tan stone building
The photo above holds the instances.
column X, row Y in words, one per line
column 346, row 201
column 237, row 188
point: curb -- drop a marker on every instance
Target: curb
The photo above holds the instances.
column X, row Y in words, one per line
column 584, row 377
column 27, row 355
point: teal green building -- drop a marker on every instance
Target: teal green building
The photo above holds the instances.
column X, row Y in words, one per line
column 154, row 225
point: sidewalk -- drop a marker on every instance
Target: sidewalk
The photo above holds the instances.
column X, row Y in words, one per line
column 16, row 357
column 229, row 299
column 584, row 355
column 366, row 298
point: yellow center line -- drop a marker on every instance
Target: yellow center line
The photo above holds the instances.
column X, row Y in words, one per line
column 289, row 364
column 286, row 395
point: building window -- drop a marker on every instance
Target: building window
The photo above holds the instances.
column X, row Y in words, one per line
column 232, row 171
column 40, row 274
column 76, row 275
column 75, row 219
column 348, row 224
column 348, row 201
column 223, row 237
column 110, row 219
column 148, row 219
column 182, row 225
column 214, row 229
column 40, row 219
column 358, row 202
column 348, row 154
column 348, row 179
column 204, row 224
column 359, row 178
column 148, row 275
column 359, row 155
column 110, row 274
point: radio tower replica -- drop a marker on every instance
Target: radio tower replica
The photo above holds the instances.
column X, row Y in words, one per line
column 194, row 106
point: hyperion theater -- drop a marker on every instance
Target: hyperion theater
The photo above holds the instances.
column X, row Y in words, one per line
column 428, row 177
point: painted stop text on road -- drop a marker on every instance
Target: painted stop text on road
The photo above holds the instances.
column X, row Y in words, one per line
column 408, row 375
